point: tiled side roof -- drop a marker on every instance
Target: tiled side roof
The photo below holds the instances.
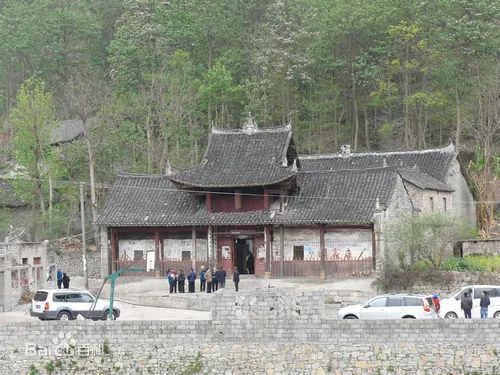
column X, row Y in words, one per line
column 346, row 197
column 146, row 200
column 238, row 158
column 434, row 162
column 422, row 180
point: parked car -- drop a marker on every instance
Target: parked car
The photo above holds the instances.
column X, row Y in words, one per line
column 450, row 307
column 391, row 306
column 65, row 304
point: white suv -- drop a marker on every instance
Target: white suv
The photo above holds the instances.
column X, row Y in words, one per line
column 391, row 306
column 64, row 304
column 451, row 307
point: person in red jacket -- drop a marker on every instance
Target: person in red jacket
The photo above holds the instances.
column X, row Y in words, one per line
column 435, row 301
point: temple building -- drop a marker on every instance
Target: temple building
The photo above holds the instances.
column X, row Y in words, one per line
column 255, row 204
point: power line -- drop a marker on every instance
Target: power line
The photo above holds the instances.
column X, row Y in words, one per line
column 215, row 192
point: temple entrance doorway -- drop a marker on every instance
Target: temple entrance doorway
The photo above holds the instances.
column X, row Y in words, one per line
column 243, row 255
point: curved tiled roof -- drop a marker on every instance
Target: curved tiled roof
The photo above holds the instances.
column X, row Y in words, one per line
column 239, row 158
column 346, row 197
column 434, row 162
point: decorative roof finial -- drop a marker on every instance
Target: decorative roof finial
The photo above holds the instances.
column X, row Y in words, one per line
column 384, row 162
column 284, row 162
column 294, row 166
column 377, row 204
column 345, row 150
column 250, row 125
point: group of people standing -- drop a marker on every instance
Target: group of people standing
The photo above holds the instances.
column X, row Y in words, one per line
column 61, row 277
column 466, row 305
column 210, row 279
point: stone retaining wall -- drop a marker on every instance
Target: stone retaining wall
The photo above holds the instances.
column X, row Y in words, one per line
column 484, row 247
column 290, row 346
column 268, row 332
column 71, row 261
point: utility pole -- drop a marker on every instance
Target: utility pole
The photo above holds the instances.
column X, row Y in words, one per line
column 84, row 239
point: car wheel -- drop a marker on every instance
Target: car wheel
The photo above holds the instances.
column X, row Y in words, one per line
column 350, row 317
column 450, row 315
column 106, row 315
column 496, row 315
column 64, row 315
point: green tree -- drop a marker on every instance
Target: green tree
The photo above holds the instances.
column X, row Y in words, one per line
column 424, row 237
column 33, row 118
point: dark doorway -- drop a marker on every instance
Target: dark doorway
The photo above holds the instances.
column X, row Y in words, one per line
column 244, row 258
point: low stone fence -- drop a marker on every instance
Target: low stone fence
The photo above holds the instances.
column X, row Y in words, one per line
column 268, row 332
column 480, row 246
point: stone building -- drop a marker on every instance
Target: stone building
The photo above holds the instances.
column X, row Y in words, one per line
column 255, row 204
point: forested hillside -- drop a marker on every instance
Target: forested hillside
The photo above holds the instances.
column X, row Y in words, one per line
column 148, row 79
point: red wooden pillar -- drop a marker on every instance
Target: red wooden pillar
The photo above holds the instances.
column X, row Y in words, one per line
column 113, row 250
column 267, row 244
column 322, row 251
column 208, row 198
column 266, row 199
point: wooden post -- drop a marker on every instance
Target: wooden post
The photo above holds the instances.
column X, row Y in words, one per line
column 193, row 247
column 267, row 244
column 282, row 250
column 157, row 253
column 322, row 252
column 209, row 246
column 208, row 198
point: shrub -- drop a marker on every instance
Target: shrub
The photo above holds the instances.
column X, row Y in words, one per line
column 474, row 263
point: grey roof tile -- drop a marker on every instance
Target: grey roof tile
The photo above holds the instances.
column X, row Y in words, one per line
column 422, row 180
column 239, row 158
column 346, row 197
column 434, row 162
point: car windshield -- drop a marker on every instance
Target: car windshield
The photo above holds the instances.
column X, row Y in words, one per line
column 377, row 302
column 40, row 296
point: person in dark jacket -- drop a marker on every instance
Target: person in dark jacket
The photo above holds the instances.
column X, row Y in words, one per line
column 484, row 303
column 466, row 305
column 181, row 281
column 215, row 281
column 203, row 280
column 236, row 278
column 172, row 281
column 65, row 281
column 191, row 279
column 59, row 278
column 221, row 277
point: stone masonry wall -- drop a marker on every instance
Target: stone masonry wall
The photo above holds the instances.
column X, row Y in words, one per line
column 486, row 247
column 270, row 332
column 71, row 261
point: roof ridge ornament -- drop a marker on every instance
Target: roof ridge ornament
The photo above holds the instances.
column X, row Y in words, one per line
column 250, row 126
column 384, row 162
column 168, row 169
column 284, row 162
column 294, row 166
column 377, row 204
